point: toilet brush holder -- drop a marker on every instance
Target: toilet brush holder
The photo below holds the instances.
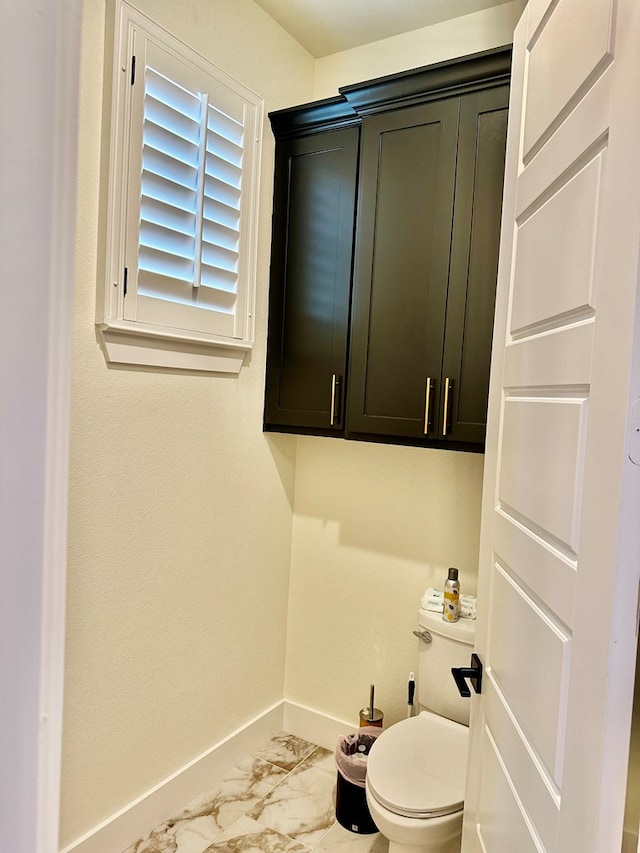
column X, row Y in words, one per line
column 371, row 716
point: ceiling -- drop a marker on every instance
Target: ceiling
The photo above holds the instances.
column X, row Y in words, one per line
column 328, row 26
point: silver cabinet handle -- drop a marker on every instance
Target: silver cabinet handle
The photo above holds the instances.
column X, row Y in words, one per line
column 333, row 399
column 448, row 384
column 427, row 406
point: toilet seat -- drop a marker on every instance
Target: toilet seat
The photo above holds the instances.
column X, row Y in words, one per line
column 417, row 767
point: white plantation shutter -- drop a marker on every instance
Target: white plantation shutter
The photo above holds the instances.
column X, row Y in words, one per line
column 169, row 202
column 184, row 252
column 221, row 202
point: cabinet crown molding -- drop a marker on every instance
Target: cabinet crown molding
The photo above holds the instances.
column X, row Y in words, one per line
column 450, row 77
column 406, row 88
column 293, row 121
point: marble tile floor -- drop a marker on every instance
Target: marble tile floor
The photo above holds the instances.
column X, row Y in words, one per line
column 280, row 799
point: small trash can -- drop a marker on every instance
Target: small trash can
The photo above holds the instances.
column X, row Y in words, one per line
column 352, row 811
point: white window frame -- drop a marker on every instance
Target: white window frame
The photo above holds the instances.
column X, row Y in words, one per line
column 172, row 337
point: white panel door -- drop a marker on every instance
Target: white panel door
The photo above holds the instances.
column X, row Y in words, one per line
column 560, row 541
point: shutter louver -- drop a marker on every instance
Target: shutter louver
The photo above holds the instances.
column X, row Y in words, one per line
column 168, row 196
column 221, row 217
column 190, row 206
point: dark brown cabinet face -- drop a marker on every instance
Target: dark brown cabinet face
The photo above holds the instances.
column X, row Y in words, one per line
column 311, row 275
column 474, row 262
column 426, row 265
column 381, row 319
column 407, row 187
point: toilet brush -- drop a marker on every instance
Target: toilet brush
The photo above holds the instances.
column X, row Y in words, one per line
column 411, row 690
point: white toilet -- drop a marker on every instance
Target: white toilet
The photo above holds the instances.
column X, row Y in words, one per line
column 416, row 769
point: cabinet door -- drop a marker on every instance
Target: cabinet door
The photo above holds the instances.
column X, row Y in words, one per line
column 474, row 265
column 313, row 225
column 407, row 176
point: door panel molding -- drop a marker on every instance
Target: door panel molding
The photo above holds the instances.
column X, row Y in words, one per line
column 561, row 499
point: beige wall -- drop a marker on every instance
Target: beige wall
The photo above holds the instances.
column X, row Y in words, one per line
column 374, row 525
column 469, row 34
column 180, row 508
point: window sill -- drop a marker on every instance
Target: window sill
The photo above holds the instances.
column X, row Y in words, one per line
column 132, row 343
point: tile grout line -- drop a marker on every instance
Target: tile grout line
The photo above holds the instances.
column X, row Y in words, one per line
column 270, row 791
column 244, row 814
column 320, row 840
column 288, row 773
column 281, row 782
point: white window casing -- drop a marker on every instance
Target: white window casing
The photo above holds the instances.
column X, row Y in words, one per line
column 182, row 211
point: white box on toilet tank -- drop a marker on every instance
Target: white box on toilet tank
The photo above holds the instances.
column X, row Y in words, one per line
column 451, row 645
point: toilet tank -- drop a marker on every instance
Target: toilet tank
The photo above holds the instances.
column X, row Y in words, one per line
column 451, row 645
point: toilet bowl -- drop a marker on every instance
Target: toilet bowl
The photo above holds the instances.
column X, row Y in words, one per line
column 415, row 784
column 416, row 769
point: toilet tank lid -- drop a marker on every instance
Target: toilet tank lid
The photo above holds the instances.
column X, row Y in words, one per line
column 464, row 630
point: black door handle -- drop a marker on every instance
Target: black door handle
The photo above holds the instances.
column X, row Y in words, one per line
column 473, row 673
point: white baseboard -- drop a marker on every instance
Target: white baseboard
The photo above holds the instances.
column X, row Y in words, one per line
column 314, row 725
column 135, row 820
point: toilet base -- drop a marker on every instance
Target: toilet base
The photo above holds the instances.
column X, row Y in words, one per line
column 415, row 835
column 451, row 846
column 404, row 848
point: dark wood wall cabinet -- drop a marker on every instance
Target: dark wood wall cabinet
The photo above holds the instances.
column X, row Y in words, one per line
column 386, row 225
